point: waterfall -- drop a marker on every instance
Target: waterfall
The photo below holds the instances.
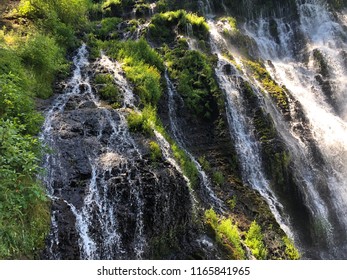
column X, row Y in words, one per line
column 96, row 142
column 322, row 98
column 191, row 40
column 241, row 130
column 115, row 69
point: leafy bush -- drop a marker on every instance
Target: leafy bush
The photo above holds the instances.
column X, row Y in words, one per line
column 24, row 214
column 155, row 151
column 143, row 122
column 164, row 25
column 139, row 51
column 107, row 27
column 195, row 78
column 142, row 66
column 107, row 89
column 254, row 240
column 70, row 12
column 188, row 167
column 218, row 178
column 17, row 105
column 226, row 233
column 43, row 56
column 291, row 252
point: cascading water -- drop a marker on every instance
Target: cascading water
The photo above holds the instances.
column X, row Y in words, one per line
column 322, row 97
column 108, row 200
column 107, row 150
column 241, row 130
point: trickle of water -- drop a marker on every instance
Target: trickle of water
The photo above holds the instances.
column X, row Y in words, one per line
column 115, row 68
column 205, row 181
column 191, row 40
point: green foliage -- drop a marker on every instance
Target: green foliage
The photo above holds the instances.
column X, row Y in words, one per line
column 322, row 65
column 164, row 25
column 24, row 214
column 61, row 18
column 232, row 202
column 142, row 66
column 70, row 12
column 196, row 83
column 107, row 28
column 188, row 167
column 218, row 178
column 155, row 151
column 144, row 121
column 146, row 80
column 17, row 105
column 42, row 55
column 254, row 240
column 276, row 92
column 232, row 22
column 291, row 252
column 140, row 51
column 107, row 89
column 226, row 233
column 204, row 163
column 211, row 218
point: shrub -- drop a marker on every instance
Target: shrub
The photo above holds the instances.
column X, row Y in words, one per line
column 155, row 151
column 276, row 92
column 107, row 27
column 70, row 12
column 196, row 82
column 164, row 25
column 24, row 214
column 188, row 167
column 254, row 240
column 227, row 233
column 43, row 56
column 16, row 104
column 143, row 122
column 108, row 90
column 218, row 178
column 146, row 80
column 291, row 252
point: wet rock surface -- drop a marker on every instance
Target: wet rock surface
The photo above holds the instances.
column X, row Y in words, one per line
column 109, row 200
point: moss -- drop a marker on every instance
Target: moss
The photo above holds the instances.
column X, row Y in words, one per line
column 277, row 93
column 188, row 167
column 204, row 163
column 321, row 63
column 218, row 178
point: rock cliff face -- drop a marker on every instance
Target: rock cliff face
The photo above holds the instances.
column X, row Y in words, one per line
column 109, row 199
